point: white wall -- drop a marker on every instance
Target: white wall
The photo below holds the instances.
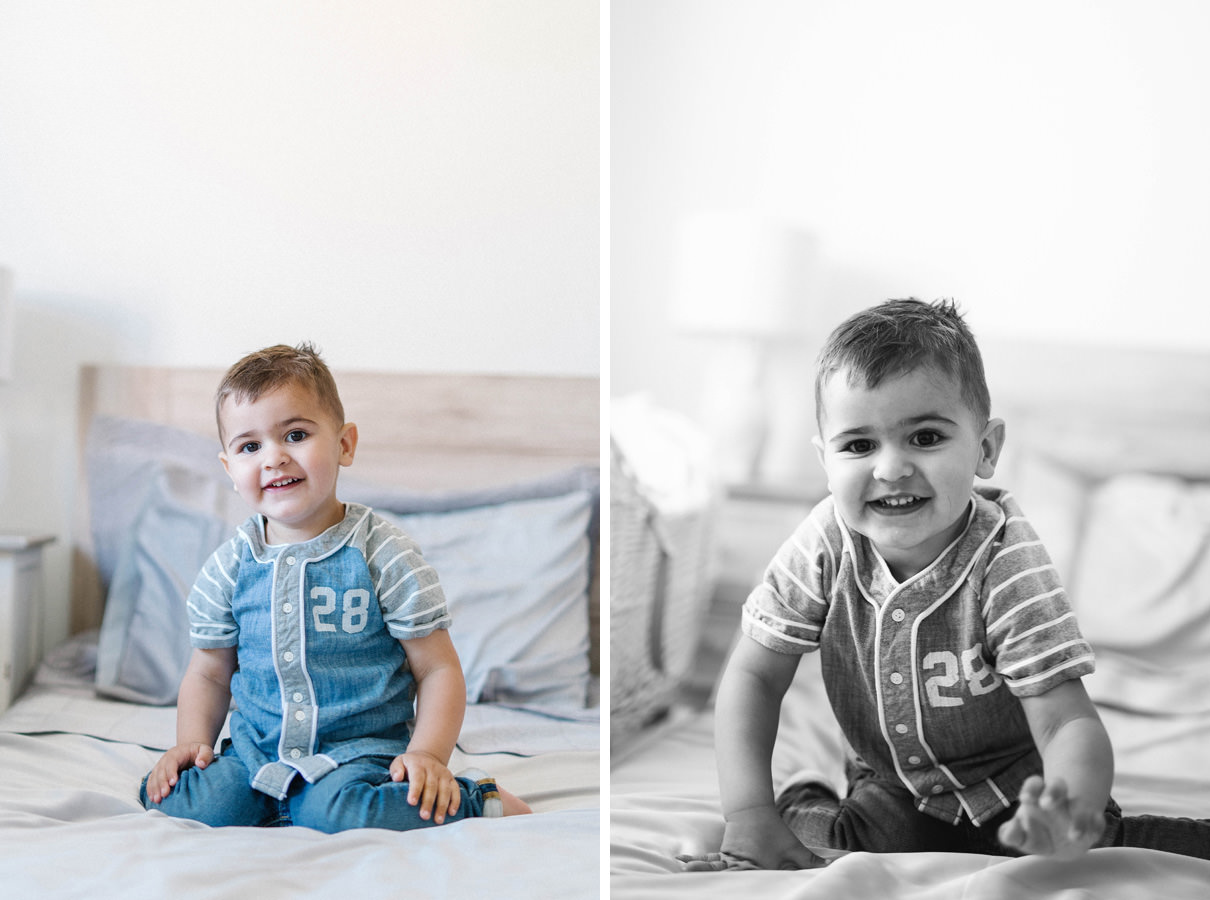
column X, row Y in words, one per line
column 1042, row 162
column 412, row 184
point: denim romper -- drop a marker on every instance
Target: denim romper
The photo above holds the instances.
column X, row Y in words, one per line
column 322, row 678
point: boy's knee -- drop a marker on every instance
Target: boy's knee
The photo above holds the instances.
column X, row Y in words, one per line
column 215, row 796
column 335, row 804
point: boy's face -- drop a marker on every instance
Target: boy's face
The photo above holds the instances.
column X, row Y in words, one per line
column 284, row 452
column 901, row 461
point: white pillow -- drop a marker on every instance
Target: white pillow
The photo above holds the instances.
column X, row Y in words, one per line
column 1054, row 497
column 516, row 577
column 1142, row 592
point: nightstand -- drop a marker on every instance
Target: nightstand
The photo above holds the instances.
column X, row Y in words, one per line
column 750, row 524
column 20, row 611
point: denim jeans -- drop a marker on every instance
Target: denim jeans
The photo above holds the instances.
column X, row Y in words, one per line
column 880, row 816
column 358, row 794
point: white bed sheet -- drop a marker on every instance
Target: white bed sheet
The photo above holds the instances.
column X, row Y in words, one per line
column 664, row 802
column 71, row 824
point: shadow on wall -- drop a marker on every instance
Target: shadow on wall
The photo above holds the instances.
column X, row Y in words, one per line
column 38, row 426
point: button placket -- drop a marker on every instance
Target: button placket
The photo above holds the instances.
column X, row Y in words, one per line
column 899, row 706
column 290, row 627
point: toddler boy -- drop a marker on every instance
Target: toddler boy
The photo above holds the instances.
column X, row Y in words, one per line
column 327, row 627
column 948, row 649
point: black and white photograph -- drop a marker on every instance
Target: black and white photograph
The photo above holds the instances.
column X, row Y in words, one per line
column 909, row 430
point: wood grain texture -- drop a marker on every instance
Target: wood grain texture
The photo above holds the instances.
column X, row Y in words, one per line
column 1104, row 410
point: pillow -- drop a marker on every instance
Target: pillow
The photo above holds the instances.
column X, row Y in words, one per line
column 1054, row 497
column 1142, row 592
column 161, row 504
column 515, row 576
column 143, row 646
column 123, row 458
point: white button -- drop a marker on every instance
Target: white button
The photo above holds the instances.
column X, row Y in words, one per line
column 300, row 715
column 287, row 607
column 298, row 697
column 898, row 615
column 901, row 728
column 914, row 760
column 295, row 753
column 937, row 789
column 896, row 678
column 289, row 560
column 288, row 656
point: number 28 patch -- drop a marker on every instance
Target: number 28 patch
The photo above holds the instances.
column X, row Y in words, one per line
column 353, row 615
column 954, row 676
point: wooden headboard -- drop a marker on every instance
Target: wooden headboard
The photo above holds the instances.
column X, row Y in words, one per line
column 420, row 431
column 1102, row 409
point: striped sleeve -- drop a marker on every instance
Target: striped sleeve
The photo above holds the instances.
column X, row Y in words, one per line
column 211, row 622
column 409, row 593
column 786, row 611
column 1031, row 629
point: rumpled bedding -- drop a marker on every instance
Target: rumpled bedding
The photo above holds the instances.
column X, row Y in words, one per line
column 71, row 824
column 664, row 803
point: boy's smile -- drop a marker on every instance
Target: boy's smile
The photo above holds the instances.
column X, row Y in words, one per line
column 901, row 461
column 897, row 504
column 284, row 454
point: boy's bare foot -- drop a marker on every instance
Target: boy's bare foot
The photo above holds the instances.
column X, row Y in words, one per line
column 513, row 805
column 504, row 803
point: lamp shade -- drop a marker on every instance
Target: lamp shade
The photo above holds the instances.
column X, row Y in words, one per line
column 740, row 274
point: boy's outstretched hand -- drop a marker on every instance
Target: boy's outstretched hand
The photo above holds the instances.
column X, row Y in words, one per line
column 1050, row 823
column 756, row 838
column 164, row 776
column 430, row 784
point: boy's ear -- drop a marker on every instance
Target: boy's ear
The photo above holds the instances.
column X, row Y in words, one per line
column 348, row 444
column 222, row 455
column 817, row 442
column 990, row 446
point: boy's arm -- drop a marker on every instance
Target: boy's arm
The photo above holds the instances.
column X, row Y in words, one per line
column 1062, row 814
column 205, row 696
column 202, row 705
column 440, row 706
column 747, row 711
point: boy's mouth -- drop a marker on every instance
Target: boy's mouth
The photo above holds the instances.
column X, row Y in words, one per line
column 899, row 504
column 281, row 484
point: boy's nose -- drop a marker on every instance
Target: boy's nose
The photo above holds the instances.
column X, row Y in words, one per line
column 891, row 465
column 277, row 458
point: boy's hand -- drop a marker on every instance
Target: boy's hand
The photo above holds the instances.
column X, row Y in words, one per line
column 430, row 783
column 759, row 838
column 164, row 776
column 1050, row 823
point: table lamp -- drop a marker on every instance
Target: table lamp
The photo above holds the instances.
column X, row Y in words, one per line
column 740, row 281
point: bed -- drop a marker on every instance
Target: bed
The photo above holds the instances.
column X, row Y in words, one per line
column 1109, row 453
column 497, row 477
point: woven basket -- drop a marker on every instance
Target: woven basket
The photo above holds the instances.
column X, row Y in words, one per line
column 659, row 583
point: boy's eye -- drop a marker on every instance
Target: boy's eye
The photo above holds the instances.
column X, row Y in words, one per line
column 861, row 446
column 295, row 436
column 250, row 447
column 927, row 438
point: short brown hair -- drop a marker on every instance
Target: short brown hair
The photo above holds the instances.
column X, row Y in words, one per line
column 267, row 370
column 900, row 336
